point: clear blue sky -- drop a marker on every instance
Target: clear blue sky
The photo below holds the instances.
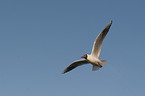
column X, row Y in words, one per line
column 40, row 38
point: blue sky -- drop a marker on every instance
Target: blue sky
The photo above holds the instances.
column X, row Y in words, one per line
column 40, row 38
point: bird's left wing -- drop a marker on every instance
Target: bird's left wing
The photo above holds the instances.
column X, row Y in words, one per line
column 75, row 64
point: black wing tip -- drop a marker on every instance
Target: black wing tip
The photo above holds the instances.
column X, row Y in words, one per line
column 109, row 25
column 63, row 72
column 110, row 22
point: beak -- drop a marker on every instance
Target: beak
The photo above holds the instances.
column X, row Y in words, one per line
column 83, row 57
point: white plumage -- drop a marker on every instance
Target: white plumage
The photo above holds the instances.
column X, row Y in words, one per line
column 93, row 57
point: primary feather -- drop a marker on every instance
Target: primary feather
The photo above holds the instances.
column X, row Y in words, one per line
column 93, row 58
column 99, row 41
column 74, row 65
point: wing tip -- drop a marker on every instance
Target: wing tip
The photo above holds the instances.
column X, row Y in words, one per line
column 63, row 72
column 109, row 25
column 110, row 22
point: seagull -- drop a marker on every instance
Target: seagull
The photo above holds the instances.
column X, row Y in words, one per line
column 93, row 57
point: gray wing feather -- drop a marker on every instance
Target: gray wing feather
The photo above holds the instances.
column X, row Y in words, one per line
column 99, row 40
column 74, row 65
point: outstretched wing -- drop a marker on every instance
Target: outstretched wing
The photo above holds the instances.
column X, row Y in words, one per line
column 74, row 65
column 99, row 40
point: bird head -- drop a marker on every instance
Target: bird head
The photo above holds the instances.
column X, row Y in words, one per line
column 85, row 56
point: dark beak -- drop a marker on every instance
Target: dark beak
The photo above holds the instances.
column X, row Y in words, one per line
column 83, row 57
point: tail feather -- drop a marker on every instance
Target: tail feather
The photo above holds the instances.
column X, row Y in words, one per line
column 103, row 62
column 96, row 67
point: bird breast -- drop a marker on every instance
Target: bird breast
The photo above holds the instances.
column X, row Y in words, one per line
column 93, row 60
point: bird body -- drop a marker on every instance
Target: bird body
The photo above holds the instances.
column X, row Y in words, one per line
column 93, row 58
column 95, row 61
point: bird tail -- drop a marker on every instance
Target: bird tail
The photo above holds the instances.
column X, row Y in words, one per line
column 103, row 62
column 96, row 67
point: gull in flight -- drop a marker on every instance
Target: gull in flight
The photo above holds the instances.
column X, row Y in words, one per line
column 93, row 57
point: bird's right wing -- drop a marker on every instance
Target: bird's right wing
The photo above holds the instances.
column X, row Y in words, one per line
column 99, row 40
column 75, row 64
